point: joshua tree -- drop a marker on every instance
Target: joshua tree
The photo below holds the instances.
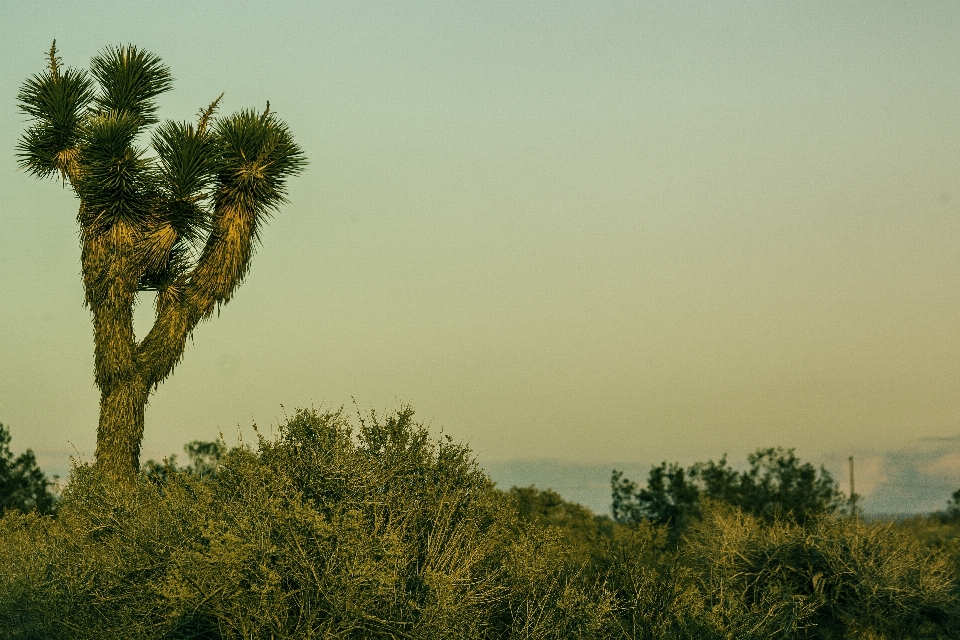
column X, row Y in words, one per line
column 182, row 222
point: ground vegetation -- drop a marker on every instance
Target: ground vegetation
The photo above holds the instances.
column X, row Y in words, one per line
column 373, row 528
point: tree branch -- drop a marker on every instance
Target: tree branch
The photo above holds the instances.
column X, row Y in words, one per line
column 192, row 297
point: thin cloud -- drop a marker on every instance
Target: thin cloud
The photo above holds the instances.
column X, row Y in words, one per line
column 954, row 438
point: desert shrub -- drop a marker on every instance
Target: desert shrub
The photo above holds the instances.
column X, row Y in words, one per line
column 382, row 531
column 322, row 532
column 654, row 595
column 632, row 570
column 204, row 461
column 87, row 570
column 548, row 597
column 582, row 533
column 939, row 531
column 935, row 534
column 827, row 578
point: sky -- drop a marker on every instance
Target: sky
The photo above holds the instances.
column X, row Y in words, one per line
column 576, row 236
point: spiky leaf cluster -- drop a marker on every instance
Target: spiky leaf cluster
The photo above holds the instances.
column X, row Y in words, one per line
column 85, row 128
column 57, row 101
column 256, row 155
column 129, row 80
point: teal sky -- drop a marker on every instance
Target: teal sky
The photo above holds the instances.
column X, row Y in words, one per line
column 585, row 232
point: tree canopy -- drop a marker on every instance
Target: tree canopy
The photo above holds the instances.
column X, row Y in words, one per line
column 23, row 486
column 775, row 484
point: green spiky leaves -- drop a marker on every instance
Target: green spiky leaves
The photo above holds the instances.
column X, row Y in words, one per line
column 129, row 80
column 118, row 183
column 187, row 163
column 257, row 155
column 56, row 100
column 186, row 159
column 86, row 126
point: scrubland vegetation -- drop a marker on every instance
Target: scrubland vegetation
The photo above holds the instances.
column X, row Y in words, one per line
column 379, row 530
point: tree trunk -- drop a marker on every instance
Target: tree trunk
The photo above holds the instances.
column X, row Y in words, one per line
column 125, row 370
column 120, row 431
column 110, row 279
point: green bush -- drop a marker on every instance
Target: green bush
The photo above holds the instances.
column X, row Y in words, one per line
column 23, row 486
column 775, row 485
column 382, row 531
column 321, row 533
column 827, row 578
column 583, row 534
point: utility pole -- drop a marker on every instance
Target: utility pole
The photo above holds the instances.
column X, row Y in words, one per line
column 853, row 493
